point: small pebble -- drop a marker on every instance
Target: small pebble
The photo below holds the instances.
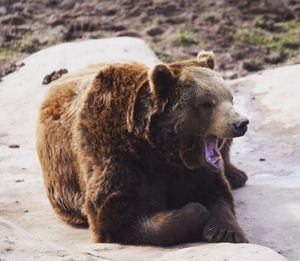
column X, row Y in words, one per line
column 54, row 76
column 262, row 159
column 14, row 146
column 20, row 64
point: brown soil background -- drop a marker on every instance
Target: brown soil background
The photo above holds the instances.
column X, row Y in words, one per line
column 247, row 35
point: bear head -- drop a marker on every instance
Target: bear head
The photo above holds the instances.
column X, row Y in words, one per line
column 193, row 112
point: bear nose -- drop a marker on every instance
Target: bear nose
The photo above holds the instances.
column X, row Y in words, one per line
column 240, row 126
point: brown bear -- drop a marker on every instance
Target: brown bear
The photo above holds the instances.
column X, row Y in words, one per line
column 134, row 153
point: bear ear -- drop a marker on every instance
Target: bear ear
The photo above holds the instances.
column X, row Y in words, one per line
column 161, row 80
column 206, row 59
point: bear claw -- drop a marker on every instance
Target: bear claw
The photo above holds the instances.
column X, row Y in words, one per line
column 219, row 233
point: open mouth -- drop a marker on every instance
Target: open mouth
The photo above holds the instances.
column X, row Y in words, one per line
column 212, row 153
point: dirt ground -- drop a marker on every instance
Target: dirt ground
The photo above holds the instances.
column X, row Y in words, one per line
column 247, row 35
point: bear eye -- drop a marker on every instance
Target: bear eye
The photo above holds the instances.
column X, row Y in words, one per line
column 208, row 104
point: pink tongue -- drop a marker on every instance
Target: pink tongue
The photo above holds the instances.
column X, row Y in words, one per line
column 212, row 152
column 210, row 145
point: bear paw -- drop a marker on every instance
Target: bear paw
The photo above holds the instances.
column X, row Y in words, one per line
column 224, row 233
column 237, row 178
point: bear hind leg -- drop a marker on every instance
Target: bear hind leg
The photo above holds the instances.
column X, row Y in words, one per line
column 69, row 208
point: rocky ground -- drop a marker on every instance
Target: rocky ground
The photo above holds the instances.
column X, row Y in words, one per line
column 247, row 35
column 267, row 207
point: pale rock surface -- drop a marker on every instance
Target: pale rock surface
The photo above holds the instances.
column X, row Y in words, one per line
column 268, row 207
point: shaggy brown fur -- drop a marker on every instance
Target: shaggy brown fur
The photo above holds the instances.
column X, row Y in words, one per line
column 121, row 149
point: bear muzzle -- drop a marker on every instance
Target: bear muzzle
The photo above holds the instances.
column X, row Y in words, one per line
column 240, row 127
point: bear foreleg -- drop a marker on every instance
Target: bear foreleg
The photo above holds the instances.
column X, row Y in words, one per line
column 236, row 177
column 121, row 220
